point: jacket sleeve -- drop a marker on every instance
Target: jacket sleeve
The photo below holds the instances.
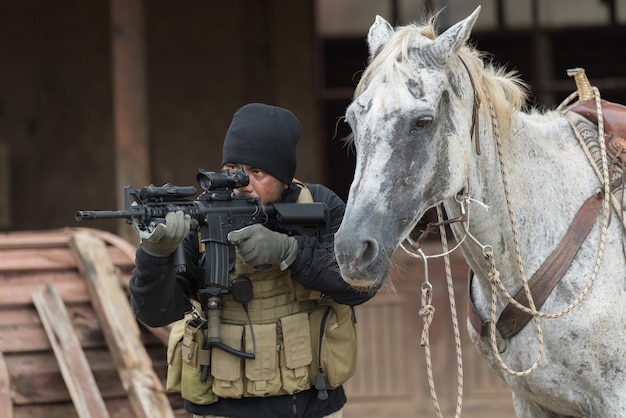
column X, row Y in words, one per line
column 159, row 295
column 315, row 266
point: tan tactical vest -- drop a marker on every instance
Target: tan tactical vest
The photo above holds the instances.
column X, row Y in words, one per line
column 275, row 294
column 295, row 334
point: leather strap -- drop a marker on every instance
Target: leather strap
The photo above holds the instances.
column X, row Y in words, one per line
column 512, row 320
column 475, row 129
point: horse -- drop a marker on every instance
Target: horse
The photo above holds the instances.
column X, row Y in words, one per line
column 435, row 122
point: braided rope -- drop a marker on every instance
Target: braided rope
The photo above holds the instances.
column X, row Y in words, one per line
column 427, row 313
column 494, row 275
column 453, row 312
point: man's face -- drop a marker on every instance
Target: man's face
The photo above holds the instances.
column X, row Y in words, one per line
column 262, row 184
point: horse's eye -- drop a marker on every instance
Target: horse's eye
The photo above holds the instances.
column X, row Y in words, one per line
column 422, row 122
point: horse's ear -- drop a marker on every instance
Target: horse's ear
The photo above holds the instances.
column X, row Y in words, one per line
column 453, row 38
column 378, row 34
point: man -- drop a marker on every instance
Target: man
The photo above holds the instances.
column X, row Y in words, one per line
column 284, row 357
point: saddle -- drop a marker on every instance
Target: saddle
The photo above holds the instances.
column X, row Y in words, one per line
column 513, row 320
column 614, row 116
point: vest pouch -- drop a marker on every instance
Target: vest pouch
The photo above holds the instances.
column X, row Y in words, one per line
column 262, row 375
column 195, row 359
column 226, row 367
column 296, row 354
column 334, row 343
column 175, row 356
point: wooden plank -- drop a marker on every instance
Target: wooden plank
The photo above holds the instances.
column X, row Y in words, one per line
column 129, row 250
column 6, row 401
column 120, row 328
column 118, row 242
column 21, row 330
column 118, row 407
column 36, row 377
column 16, row 291
column 59, row 238
column 69, row 354
column 34, row 239
column 22, row 252
column 37, row 259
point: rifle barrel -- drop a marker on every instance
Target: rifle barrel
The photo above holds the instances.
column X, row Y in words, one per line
column 89, row 215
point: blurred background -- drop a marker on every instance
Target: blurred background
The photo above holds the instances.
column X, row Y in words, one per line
column 98, row 94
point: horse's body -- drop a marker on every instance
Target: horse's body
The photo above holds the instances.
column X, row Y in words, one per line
column 412, row 124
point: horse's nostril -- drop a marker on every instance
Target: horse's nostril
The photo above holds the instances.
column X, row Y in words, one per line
column 368, row 255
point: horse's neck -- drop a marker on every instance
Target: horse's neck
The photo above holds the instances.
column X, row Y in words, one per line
column 547, row 178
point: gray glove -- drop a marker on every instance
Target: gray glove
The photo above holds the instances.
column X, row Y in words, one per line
column 162, row 240
column 257, row 245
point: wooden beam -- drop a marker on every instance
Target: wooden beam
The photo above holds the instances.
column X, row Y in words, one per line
column 128, row 249
column 69, row 354
column 120, row 328
column 130, row 100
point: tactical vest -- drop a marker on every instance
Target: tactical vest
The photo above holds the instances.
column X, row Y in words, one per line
column 300, row 339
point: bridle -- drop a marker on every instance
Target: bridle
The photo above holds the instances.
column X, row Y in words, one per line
column 474, row 128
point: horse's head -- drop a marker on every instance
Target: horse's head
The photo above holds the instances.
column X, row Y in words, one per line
column 411, row 120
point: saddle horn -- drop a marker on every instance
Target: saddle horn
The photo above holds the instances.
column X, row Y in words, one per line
column 585, row 91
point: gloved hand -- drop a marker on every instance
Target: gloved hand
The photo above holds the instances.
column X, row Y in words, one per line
column 257, row 245
column 162, row 240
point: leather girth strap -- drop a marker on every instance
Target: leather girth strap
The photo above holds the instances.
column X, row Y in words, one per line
column 512, row 320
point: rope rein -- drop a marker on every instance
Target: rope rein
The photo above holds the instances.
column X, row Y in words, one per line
column 494, row 275
column 427, row 313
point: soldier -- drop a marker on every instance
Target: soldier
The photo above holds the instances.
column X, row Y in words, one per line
column 292, row 346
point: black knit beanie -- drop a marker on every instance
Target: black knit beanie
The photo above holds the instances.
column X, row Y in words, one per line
column 264, row 137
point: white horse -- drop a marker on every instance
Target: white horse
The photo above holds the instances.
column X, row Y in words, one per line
column 413, row 118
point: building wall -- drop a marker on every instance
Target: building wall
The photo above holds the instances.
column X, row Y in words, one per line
column 203, row 61
column 55, row 110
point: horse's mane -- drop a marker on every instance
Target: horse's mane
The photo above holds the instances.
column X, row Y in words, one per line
column 494, row 84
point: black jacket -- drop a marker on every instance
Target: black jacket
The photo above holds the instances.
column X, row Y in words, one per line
column 158, row 300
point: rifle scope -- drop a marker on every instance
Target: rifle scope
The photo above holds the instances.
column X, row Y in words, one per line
column 210, row 180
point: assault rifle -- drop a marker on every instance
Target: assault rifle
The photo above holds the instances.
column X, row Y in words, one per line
column 214, row 213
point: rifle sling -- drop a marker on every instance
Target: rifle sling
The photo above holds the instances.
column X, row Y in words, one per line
column 513, row 320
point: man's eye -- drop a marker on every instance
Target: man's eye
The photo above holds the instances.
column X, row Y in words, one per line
column 231, row 167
